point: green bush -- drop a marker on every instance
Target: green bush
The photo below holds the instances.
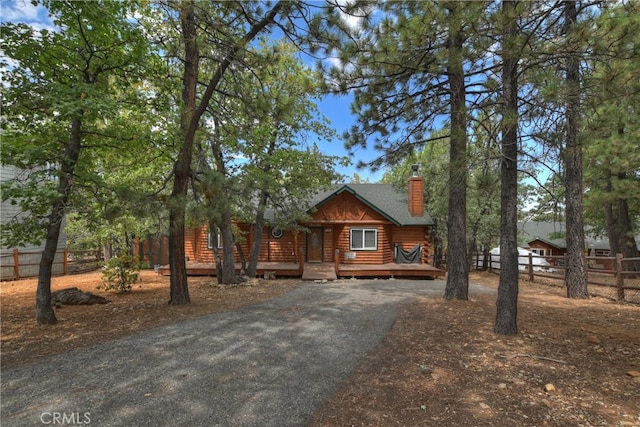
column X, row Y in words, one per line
column 120, row 273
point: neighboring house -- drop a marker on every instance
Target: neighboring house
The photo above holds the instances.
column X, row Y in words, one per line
column 23, row 261
column 547, row 238
column 362, row 229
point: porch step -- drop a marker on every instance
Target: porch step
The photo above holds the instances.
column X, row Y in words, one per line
column 319, row 271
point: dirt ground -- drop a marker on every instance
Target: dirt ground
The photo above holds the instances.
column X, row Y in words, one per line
column 145, row 306
column 574, row 363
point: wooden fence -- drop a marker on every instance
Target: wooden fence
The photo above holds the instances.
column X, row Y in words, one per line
column 612, row 277
column 22, row 264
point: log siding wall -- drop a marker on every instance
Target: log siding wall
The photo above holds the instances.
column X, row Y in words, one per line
column 271, row 249
column 337, row 217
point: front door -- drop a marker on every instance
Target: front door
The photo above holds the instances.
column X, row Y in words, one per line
column 314, row 244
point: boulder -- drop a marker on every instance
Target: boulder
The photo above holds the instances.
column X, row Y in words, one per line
column 74, row 296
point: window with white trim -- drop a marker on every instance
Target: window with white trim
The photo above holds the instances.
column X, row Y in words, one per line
column 210, row 239
column 538, row 251
column 363, row 239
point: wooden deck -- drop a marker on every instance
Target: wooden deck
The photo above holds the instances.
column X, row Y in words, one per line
column 281, row 269
column 390, row 270
column 321, row 271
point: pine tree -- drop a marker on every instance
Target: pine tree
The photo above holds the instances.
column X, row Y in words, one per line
column 612, row 158
column 408, row 66
column 507, row 304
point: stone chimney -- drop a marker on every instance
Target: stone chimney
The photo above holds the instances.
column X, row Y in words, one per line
column 416, row 193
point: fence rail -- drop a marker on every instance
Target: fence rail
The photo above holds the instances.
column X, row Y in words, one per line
column 22, row 264
column 611, row 277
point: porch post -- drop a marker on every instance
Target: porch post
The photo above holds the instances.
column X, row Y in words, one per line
column 336, row 260
column 301, row 261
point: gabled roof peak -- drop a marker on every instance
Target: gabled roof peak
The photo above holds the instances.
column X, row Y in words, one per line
column 383, row 198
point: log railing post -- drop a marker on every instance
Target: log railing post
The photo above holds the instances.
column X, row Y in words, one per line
column 530, row 267
column 16, row 263
column 336, row 260
column 619, row 277
column 301, row 261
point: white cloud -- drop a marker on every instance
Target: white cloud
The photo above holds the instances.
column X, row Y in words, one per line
column 334, row 62
column 353, row 22
column 21, row 11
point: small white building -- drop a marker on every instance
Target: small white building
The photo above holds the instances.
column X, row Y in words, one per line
column 20, row 262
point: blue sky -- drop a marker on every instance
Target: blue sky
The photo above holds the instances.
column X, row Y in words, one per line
column 335, row 108
column 24, row 11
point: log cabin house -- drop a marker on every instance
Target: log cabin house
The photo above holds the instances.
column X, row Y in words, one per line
column 353, row 230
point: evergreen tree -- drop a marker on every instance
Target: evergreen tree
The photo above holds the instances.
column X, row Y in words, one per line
column 612, row 158
column 228, row 29
column 576, row 274
column 507, row 303
column 64, row 90
column 409, row 65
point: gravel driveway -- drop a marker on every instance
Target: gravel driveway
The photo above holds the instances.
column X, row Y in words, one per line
column 270, row 364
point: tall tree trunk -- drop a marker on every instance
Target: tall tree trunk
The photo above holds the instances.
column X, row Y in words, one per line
column 213, row 232
column 228, row 259
column 628, row 245
column 627, row 239
column 252, row 268
column 243, row 260
column 457, row 286
column 507, row 303
column 262, row 207
column 613, row 232
column 227, row 269
column 189, row 120
column 619, row 225
column 179, row 289
column 107, row 251
column 225, row 266
column 486, row 253
column 44, row 311
column 576, row 273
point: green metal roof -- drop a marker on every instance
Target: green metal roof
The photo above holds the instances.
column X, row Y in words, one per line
column 385, row 199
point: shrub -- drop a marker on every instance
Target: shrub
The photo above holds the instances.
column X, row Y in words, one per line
column 120, row 273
